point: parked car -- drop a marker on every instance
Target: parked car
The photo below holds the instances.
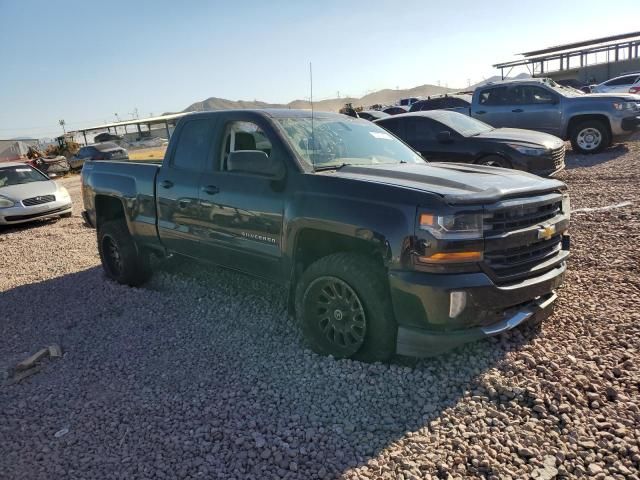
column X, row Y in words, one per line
column 575, row 84
column 460, row 103
column 99, row 151
column 395, row 110
column 380, row 251
column 591, row 122
column 107, row 137
column 620, row 84
column 407, row 102
column 27, row 194
column 442, row 135
column 372, row 115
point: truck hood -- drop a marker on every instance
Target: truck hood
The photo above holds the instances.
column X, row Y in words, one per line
column 520, row 136
column 456, row 183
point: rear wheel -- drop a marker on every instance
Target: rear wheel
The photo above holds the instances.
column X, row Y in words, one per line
column 590, row 136
column 121, row 258
column 494, row 161
column 343, row 305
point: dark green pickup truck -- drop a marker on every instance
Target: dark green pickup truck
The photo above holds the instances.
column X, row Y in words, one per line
column 381, row 252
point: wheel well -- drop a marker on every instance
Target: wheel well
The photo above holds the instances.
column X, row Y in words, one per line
column 313, row 244
column 582, row 118
column 108, row 208
column 482, row 156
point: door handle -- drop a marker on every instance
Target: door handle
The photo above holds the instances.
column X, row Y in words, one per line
column 210, row 189
column 517, row 110
column 166, row 184
column 480, row 112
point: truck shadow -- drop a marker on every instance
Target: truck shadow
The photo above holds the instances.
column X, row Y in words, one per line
column 205, row 363
column 577, row 160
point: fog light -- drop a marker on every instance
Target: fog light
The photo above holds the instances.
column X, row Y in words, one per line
column 457, row 303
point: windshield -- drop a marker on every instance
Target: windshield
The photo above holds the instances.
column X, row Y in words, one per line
column 563, row 90
column 19, row 174
column 336, row 141
column 464, row 125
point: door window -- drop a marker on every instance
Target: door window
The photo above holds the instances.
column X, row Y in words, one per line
column 420, row 130
column 495, row 96
column 193, row 145
column 532, row 95
column 243, row 136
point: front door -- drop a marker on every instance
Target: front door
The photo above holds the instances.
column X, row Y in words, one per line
column 243, row 213
column 177, row 187
column 536, row 108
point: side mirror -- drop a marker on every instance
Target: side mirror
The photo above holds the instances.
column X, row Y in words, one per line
column 255, row 162
column 444, row 137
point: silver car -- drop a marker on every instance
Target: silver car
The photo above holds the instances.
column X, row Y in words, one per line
column 27, row 194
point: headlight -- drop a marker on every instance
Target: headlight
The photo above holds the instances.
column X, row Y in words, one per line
column 455, row 226
column 532, row 151
column 6, row 203
column 566, row 205
column 624, row 105
column 64, row 193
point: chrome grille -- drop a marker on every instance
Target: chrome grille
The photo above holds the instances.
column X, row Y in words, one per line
column 29, row 202
column 522, row 216
column 518, row 260
column 557, row 156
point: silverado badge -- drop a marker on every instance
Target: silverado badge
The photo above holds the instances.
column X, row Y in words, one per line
column 546, row 231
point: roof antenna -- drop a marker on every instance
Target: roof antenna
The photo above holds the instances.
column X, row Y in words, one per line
column 313, row 140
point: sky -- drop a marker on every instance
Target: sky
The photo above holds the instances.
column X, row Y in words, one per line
column 85, row 61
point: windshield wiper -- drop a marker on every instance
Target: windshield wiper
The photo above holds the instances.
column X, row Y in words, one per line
column 335, row 166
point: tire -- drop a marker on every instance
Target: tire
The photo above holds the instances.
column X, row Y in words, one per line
column 590, row 136
column 494, row 161
column 121, row 258
column 344, row 308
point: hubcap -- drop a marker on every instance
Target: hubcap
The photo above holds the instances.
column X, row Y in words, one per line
column 112, row 255
column 337, row 312
column 589, row 138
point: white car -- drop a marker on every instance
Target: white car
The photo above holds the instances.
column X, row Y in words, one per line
column 27, row 194
column 621, row 84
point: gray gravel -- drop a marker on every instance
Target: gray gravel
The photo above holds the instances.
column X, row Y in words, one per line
column 201, row 375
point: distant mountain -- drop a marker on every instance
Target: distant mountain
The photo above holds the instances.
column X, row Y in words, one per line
column 384, row 97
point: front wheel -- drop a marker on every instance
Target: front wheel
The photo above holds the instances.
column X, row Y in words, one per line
column 590, row 136
column 343, row 305
column 122, row 261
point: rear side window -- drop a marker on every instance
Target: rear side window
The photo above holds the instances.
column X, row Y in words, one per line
column 193, row 145
column 495, row 96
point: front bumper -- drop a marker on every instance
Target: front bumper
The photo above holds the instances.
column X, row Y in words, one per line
column 422, row 343
column 422, row 305
column 631, row 124
column 21, row 214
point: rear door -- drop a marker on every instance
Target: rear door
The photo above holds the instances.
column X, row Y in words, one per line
column 536, row 108
column 243, row 213
column 177, row 187
column 494, row 106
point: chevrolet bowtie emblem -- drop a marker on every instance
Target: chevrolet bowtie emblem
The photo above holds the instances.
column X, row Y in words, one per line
column 546, row 231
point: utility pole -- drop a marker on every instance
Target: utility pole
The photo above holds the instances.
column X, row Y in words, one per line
column 62, row 124
column 117, row 117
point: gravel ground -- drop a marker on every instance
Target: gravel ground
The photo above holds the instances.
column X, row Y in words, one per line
column 201, row 375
